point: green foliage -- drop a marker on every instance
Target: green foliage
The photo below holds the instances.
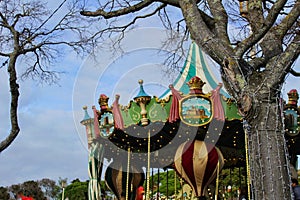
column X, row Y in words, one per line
column 4, row 193
column 29, row 188
column 49, row 187
column 77, row 190
column 41, row 189
column 15, row 189
column 235, row 177
column 32, row 189
column 164, row 188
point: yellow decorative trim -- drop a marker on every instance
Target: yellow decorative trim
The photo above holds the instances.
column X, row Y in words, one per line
column 247, row 164
column 148, row 168
column 217, row 181
column 162, row 101
column 127, row 177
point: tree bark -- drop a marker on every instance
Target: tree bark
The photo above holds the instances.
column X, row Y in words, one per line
column 269, row 164
column 14, row 90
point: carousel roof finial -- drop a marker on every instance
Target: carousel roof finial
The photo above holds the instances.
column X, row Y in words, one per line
column 143, row 99
column 86, row 114
column 142, row 92
column 88, row 123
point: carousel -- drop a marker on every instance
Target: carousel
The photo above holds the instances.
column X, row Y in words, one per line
column 193, row 130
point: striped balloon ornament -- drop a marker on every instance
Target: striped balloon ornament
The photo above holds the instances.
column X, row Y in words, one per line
column 197, row 163
column 116, row 180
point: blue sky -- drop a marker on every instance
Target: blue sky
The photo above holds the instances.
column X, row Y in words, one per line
column 52, row 141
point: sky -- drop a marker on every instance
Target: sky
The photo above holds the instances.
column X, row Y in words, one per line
column 52, row 142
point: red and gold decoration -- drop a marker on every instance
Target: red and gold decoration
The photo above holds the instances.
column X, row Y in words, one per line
column 198, row 163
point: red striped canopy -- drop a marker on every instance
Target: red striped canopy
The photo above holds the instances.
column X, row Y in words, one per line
column 197, row 163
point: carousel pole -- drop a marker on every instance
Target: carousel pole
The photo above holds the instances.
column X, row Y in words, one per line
column 152, row 180
column 217, row 181
column 181, row 185
column 127, row 178
column 158, row 184
column 148, row 168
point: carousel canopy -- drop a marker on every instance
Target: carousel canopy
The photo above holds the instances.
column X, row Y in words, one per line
column 186, row 111
column 195, row 107
column 196, row 64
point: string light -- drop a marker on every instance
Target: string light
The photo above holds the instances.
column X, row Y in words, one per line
column 148, row 167
column 127, row 177
column 254, row 141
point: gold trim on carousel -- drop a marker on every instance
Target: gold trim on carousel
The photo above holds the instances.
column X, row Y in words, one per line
column 162, row 101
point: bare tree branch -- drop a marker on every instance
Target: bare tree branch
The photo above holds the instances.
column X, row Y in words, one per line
column 14, row 90
column 286, row 24
column 221, row 20
column 25, row 34
column 294, row 73
column 242, row 47
column 129, row 9
column 286, row 59
column 255, row 16
column 197, row 25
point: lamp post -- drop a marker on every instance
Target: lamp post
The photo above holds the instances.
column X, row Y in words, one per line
column 63, row 185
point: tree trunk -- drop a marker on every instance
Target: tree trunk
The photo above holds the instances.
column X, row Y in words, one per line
column 14, row 90
column 269, row 165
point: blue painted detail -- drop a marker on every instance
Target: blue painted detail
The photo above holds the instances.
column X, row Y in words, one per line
column 86, row 115
column 142, row 92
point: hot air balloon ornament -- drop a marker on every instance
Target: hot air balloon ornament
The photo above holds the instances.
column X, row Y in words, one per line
column 122, row 183
column 198, row 163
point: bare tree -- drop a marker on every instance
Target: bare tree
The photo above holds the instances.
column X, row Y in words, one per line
column 37, row 35
column 255, row 48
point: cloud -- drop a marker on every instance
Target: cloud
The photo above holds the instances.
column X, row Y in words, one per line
column 47, row 146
